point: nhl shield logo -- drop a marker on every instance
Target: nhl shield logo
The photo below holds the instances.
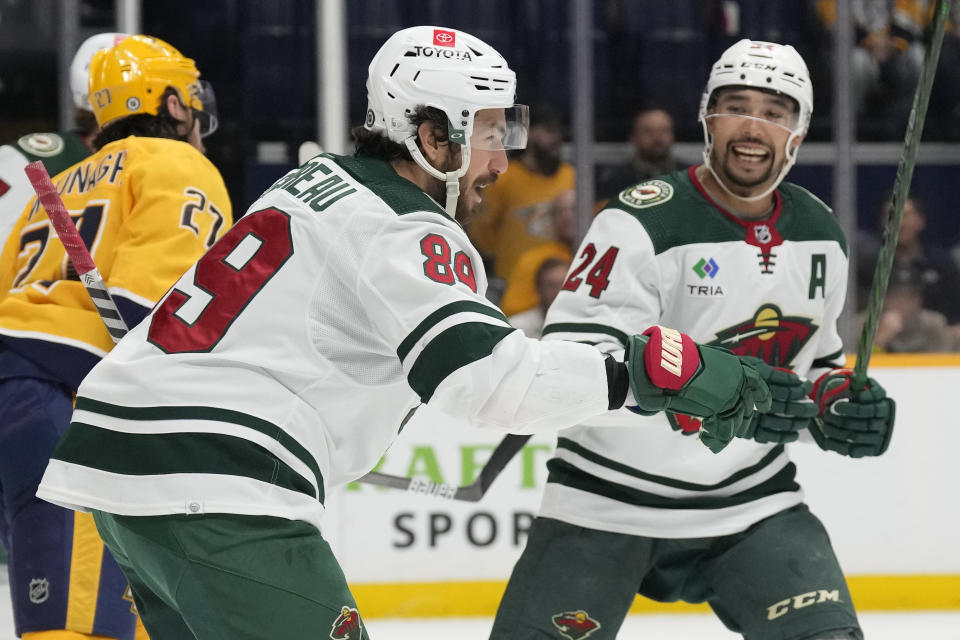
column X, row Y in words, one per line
column 575, row 625
column 347, row 626
column 39, row 590
column 762, row 233
column 647, row 194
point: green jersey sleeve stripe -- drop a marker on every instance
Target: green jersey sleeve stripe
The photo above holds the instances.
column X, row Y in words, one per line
column 564, row 473
column 139, row 454
column 585, row 327
column 207, row 413
column 453, row 348
column 445, row 311
column 596, row 458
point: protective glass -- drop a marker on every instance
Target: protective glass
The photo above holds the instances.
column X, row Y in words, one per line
column 207, row 117
column 769, row 108
column 501, row 129
column 765, row 121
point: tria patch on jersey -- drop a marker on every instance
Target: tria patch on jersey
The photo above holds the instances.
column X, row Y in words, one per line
column 769, row 335
column 44, row 145
column 647, row 194
column 706, row 269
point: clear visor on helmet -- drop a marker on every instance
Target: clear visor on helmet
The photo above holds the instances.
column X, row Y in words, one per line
column 499, row 129
column 208, row 116
column 760, row 105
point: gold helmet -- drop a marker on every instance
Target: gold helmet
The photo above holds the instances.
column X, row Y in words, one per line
column 132, row 76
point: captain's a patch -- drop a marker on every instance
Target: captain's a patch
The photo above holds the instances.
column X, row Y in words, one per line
column 647, row 194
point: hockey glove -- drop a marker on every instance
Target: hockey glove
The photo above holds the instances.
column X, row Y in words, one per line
column 792, row 410
column 669, row 371
column 853, row 423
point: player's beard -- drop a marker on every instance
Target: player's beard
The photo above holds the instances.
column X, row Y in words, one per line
column 438, row 188
column 722, row 166
column 466, row 207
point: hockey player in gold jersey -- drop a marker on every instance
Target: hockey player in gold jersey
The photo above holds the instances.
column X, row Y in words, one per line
column 147, row 204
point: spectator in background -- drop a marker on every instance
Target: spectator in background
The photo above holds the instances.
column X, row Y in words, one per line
column 652, row 141
column 909, row 21
column 517, row 212
column 933, row 264
column 548, row 281
column 883, row 74
column 521, row 293
column 905, row 326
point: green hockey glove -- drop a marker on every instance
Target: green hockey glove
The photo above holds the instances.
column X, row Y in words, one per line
column 853, row 423
column 669, row 371
column 791, row 411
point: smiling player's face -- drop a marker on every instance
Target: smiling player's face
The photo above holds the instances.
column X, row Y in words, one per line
column 750, row 129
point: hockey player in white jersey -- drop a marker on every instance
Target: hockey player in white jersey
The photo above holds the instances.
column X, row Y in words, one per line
column 732, row 255
column 283, row 363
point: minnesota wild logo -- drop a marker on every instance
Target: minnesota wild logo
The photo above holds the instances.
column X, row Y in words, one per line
column 575, row 625
column 347, row 626
column 768, row 335
column 647, row 194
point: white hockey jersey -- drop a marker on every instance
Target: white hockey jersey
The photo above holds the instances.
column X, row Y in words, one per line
column 284, row 362
column 664, row 253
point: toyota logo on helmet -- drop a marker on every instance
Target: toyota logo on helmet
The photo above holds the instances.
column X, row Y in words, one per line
column 444, row 38
column 448, row 70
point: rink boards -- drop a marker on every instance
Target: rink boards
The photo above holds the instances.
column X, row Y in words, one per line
column 892, row 519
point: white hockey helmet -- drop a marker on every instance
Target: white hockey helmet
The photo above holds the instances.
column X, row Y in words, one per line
column 449, row 70
column 80, row 65
column 770, row 67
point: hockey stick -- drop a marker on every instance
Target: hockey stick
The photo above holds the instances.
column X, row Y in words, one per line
column 96, row 288
column 76, row 250
column 472, row 492
column 901, row 187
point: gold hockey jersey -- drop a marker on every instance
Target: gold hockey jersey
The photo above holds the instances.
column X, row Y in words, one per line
column 146, row 209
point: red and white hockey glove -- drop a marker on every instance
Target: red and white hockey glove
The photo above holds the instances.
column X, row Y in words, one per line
column 852, row 422
column 669, row 371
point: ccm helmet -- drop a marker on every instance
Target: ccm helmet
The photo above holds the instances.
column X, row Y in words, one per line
column 131, row 77
column 767, row 66
column 449, row 70
column 80, row 66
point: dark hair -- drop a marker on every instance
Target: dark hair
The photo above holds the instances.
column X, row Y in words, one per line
column 376, row 144
column 546, row 115
column 549, row 263
column 84, row 122
column 162, row 125
column 886, row 202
